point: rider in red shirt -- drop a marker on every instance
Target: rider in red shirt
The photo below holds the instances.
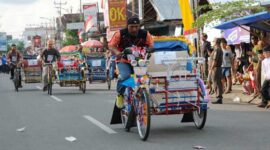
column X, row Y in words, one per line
column 14, row 58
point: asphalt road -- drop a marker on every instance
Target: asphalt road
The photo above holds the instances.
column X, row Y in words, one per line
column 49, row 119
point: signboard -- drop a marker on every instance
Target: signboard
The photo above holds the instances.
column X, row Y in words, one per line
column 75, row 26
column 90, row 12
column 3, row 41
column 237, row 35
column 117, row 14
column 37, row 41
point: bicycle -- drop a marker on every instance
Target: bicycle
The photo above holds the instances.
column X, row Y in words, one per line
column 17, row 76
column 136, row 99
column 49, row 77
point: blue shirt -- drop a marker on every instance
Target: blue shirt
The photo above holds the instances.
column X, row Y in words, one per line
column 4, row 60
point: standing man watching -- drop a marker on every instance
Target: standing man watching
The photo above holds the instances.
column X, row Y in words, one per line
column 216, row 70
column 266, row 83
column 227, row 65
column 206, row 46
column 49, row 55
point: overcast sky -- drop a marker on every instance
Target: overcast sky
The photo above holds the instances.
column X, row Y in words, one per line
column 17, row 14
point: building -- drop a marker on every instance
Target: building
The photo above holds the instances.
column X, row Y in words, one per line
column 163, row 17
column 44, row 33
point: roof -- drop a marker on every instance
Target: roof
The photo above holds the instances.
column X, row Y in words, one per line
column 167, row 9
column 251, row 20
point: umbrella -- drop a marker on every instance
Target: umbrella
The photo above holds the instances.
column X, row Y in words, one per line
column 69, row 48
column 92, row 44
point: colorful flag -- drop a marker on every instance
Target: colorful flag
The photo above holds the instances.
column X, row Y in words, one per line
column 90, row 17
column 102, row 4
column 187, row 17
column 80, row 35
column 88, row 24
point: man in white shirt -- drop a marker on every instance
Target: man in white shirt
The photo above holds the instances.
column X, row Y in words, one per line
column 266, row 84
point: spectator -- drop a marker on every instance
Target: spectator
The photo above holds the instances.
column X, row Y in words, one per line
column 248, row 78
column 206, row 46
column 209, row 79
column 266, row 73
column 256, row 47
column 4, row 64
column 1, row 65
column 227, row 64
column 234, row 67
column 259, row 71
column 239, row 71
column 216, row 70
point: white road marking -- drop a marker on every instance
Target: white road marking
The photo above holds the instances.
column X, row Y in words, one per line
column 56, row 98
column 38, row 87
column 99, row 124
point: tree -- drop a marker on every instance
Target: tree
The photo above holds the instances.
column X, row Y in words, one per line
column 226, row 11
column 71, row 38
column 20, row 45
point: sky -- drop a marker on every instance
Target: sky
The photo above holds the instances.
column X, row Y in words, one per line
column 17, row 14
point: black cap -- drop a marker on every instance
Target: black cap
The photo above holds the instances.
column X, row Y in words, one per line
column 266, row 49
column 133, row 20
column 13, row 44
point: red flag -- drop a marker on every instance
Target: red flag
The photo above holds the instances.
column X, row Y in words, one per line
column 88, row 23
column 80, row 33
column 102, row 4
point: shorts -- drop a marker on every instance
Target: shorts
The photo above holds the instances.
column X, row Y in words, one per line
column 226, row 72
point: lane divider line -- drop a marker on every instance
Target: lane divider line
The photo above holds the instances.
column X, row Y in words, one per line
column 56, row 98
column 100, row 125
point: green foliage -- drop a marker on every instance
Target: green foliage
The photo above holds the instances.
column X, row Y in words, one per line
column 20, row 45
column 226, row 11
column 71, row 38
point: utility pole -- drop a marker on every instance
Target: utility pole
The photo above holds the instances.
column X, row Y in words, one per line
column 133, row 8
column 140, row 9
column 59, row 6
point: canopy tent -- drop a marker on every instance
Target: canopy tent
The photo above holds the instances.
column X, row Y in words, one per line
column 92, row 44
column 258, row 21
column 69, row 48
column 168, row 43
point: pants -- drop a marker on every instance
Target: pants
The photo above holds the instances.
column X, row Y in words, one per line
column 12, row 71
column 216, row 77
column 45, row 75
column 227, row 73
column 125, row 70
column 265, row 91
column 205, row 68
column 111, row 68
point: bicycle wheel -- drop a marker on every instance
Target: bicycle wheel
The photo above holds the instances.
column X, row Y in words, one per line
column 127, row 113
column 16, row 80
column 16, row 84
column 50, row 82
column 143, row 117
column 109, row 81
column 199, row 118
